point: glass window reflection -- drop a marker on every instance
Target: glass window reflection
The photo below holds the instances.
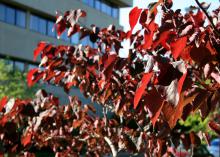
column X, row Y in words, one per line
column 10, row 15
column 20, row 18
column 2, row 12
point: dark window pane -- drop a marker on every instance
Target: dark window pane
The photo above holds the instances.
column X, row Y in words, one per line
column 2, row 12
column 20, row 18
column 98, row 5
column 50, row 30
column 115, row 12
column 10, row 15
column 75, row 38
column 34, row 23
column 42, row 25
column 91, row 3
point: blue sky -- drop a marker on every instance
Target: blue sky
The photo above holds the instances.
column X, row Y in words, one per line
column 176, row 4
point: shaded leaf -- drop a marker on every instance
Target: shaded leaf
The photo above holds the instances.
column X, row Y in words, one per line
column 215, row 127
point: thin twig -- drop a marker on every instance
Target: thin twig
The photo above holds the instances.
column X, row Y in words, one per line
column 208, row 17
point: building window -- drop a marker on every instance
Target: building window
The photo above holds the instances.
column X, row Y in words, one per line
column 42, row 26
column 108, row 10
column 86, row 1
column 75, row 38
column 19, row 66
column 86, row 42
column 34, row 23
column 91, row 3
column 97, row 4
column 115, row 12
column 10, row 15
column 64, row 36
column 38, row 24
column 2, row 12
column 32, row 66
column 103, row 7
column 50, row 31
column 20, row 18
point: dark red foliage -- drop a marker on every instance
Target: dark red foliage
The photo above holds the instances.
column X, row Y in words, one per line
column 163, row 79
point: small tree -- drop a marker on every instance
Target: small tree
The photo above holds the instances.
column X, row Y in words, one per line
column 171, row 71
column 13, row 82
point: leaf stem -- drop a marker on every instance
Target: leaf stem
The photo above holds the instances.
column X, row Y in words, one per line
column 209, row 18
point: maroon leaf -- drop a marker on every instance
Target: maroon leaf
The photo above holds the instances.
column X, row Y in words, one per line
column 60, row 25
column 154, row 103
column 215, row 127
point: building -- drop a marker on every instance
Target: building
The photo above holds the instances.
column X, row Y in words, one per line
column 23, row 23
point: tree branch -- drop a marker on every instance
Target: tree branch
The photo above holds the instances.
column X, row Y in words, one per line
column 111, row 145
column 208, row 17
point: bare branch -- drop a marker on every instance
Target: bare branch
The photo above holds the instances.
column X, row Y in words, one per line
column 111, row 145
column 209, row 18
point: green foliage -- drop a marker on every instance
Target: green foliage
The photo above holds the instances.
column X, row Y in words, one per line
column 197, row 124
column 13, row 82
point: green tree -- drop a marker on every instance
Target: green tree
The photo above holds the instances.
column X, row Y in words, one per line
column 13, row 82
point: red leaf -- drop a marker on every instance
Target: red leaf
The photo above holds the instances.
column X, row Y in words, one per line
column 25, row 140
column 60, row 25
column 214, row 126
column 3, row 102
column 140, row 90
column 154, row 103
column 133, row 18
column 178, row 46
column 111, row 59
column 39, row 48
column 30, row 77
column 148, row 35
column 143, row 17
column 180, row 82
column 199, row 18
column 163, row 38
